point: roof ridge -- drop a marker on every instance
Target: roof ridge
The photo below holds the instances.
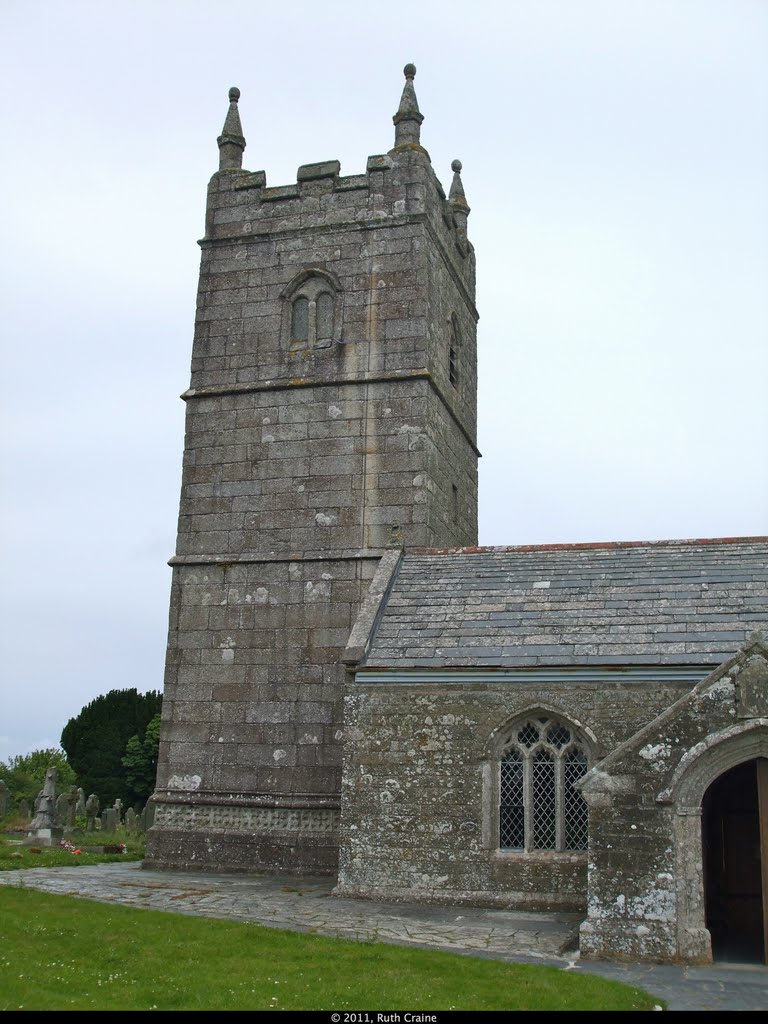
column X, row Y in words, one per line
column 584, row 546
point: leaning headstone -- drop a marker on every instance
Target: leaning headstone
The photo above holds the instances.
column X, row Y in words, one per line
column 131, row 820
column 108, row 820
column 43, row 827
column 148, row 815
column 80, row 804
column 62, row 806
column 3, row 799
column 71, row 806
column 91, row 812
column 24, row 811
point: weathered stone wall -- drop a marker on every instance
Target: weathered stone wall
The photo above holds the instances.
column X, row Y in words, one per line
column 646, row 898
column 323, row 469
column 305, row 458
column 250, row 750
column 418, row 786
column 255, row 414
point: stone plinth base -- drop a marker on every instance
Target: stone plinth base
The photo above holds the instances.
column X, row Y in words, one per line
column 211, row 835
column 290, row 853
column 44, row 837
column 630, row 939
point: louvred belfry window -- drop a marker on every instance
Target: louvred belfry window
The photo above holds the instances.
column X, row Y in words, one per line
column 312, row 310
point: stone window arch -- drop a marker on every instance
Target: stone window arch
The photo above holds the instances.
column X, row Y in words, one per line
column 312, row 309
column 539, row 759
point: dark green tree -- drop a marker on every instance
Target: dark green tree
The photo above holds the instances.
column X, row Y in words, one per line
column 140, row 761
column 96, row 740
column 24, row 774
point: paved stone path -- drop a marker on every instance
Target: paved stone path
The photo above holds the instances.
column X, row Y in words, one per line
column 306, row 904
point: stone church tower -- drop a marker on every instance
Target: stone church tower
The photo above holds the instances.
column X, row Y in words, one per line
column 331, row 416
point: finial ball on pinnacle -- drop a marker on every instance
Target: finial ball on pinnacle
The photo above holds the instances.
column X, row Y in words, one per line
column 234, row 94
column 409, row 70
column 456, row 166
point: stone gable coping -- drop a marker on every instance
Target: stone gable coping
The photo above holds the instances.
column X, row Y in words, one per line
column 594, row 780
column 364, row 628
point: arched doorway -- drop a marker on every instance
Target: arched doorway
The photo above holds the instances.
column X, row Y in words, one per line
column 735, row 855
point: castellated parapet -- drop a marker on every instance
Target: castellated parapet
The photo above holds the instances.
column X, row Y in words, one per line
column 331, row 416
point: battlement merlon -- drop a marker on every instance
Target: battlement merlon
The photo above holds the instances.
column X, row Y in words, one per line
column 397, row 188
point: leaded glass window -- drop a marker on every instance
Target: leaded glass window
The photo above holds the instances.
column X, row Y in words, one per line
column 542, row 759
column 512, row 816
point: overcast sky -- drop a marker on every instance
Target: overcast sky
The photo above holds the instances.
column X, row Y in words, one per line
column 615, row 159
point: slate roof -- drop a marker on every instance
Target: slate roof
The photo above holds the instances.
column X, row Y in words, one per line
column 664, row 602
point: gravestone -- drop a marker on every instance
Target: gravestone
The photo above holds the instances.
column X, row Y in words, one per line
column 118, row 809
column 148, row 815
column 24, row 811
column 80, row 804
column 108, row 820
column 62, row 806
column 91, row 812
column 3, row 799
column 43, row 828
column 131, row 820
column 71, row 807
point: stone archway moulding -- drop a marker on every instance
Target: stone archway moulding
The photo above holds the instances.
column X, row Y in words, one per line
column 708, row 760
column 698, row 769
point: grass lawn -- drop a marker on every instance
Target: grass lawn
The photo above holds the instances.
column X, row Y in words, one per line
column 14, row 856
column 64, row 953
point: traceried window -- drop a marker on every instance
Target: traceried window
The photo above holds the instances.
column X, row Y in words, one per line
column 539, row 809
column 312, row 309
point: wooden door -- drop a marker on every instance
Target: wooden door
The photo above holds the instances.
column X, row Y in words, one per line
column 762, row 811
column 735, row 834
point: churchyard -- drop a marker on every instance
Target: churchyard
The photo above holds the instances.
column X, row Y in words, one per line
column 67, row 829
column 65, row 953
column 15, row 854
column 62, row 952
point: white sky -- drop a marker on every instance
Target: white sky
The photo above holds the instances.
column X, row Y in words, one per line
column 615, row 159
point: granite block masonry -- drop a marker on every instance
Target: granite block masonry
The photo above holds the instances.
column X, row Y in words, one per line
column 331, row 415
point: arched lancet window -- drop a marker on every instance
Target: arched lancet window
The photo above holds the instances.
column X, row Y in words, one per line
column 539, row 808
column 324, row 310
column 300, row 319
column 312, row 309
